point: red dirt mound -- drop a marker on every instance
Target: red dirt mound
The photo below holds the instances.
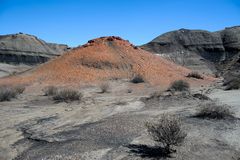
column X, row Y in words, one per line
column 103, row 59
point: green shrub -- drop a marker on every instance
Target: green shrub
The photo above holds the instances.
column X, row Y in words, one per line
column 67, row 95
column 167, row 131
column 179, row 85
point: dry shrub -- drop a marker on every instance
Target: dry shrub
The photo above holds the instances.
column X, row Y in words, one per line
column 19, row 89
column 195, row 75
column 67, row 95
column 212, row 110
column 104, row 88
column 179, row 85
column 166, row 131
column 50, row 91
column 8, row 92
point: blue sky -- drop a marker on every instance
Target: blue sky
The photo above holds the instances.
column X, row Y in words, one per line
column 74, row 22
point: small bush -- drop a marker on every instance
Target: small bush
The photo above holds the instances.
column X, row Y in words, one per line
column 7, row 93
column 104, row 87
column 50, row 91
column 166, row 132
column 19, row 89
column 137, row 79
column 67, row 95
column 201, row 96
column 180, row 85
column 195, row 75
column 213, row 110
column 232, row 84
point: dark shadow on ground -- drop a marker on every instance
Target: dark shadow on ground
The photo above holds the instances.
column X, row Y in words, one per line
column 145, row 151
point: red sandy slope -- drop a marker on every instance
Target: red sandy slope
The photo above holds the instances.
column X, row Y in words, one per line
column 102, row 59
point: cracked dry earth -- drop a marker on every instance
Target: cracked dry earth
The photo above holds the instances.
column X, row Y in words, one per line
column 111, row 126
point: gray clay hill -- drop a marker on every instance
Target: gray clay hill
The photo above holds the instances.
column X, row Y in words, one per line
column 201, row 50
column 18, row 52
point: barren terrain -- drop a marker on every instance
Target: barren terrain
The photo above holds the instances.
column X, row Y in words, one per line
column 111, row 125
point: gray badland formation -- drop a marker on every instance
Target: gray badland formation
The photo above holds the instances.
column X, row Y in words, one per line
column 201, row 50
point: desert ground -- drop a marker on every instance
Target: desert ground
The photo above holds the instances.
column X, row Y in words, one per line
column 119, row 80
column 111, row 125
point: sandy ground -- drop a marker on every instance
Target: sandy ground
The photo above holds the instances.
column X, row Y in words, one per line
column 111, row 126
column 231, row 98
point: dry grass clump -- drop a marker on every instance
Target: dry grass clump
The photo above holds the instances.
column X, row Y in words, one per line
column 179, row 85
column 8, row 92
column 62, row 95
column 167, row 132
column 19, row 89
column 104, row 87
column 50, row 91
column 67, row 95
column 212, row 110
column 195, row 75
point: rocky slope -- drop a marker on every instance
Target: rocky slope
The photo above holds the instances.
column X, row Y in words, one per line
column 104, row 59
column 199, row 48
column 27, row 49
column 19, row 52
